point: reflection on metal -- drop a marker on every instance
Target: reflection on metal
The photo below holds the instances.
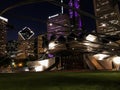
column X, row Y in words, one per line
column 100, row 56
column 91, row 38
column 40, row 65
column 116, row 59
column 52, row 45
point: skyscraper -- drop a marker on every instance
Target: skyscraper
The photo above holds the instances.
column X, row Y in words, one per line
column 56, row 25
column 3, row 23
column 39, row 50
column 25, row 43
column 11, row 48
column 108, row 11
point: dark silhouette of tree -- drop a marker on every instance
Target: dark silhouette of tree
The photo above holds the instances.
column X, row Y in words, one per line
column 5, row 61
column 45, row 41
column 71, row 36
column 53, row 37
column 61, row 39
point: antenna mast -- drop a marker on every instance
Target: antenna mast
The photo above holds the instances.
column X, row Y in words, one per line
column 62, row 10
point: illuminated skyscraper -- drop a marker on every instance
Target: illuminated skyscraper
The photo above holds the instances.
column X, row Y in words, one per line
column 25, row 48
column 39, row 50
column 11, row 48
column 107, row 10
column 25, row 43
column 74, row 16
column 56, row 25
column 3, row 23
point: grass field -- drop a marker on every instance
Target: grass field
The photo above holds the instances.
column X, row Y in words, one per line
column 60, row 81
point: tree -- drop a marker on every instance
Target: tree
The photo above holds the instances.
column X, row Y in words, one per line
column 53, row 37
column 5, row 61
column 61, row 39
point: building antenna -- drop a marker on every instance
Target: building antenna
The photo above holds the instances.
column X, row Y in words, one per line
column 62, row 10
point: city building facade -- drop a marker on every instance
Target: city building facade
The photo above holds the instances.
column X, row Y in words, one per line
column 108, row 12
column 11, row 48
column 57, row 24
column 39, row 49
column 25, row 44
column 3, row 35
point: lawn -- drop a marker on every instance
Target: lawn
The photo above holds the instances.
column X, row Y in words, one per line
column 60, row 81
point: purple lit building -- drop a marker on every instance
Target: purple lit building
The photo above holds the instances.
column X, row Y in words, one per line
column 56, row 25
column 74, row 19
column 74, row 16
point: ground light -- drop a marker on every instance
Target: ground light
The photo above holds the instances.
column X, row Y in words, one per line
column 20, row 64
column 116, row 62
column 39, row 68
column 13, row 64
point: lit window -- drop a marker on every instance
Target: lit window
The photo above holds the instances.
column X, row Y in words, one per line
column 103, row 25
column 50, row 24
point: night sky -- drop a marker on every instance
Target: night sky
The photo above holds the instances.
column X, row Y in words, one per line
column 39, row 11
